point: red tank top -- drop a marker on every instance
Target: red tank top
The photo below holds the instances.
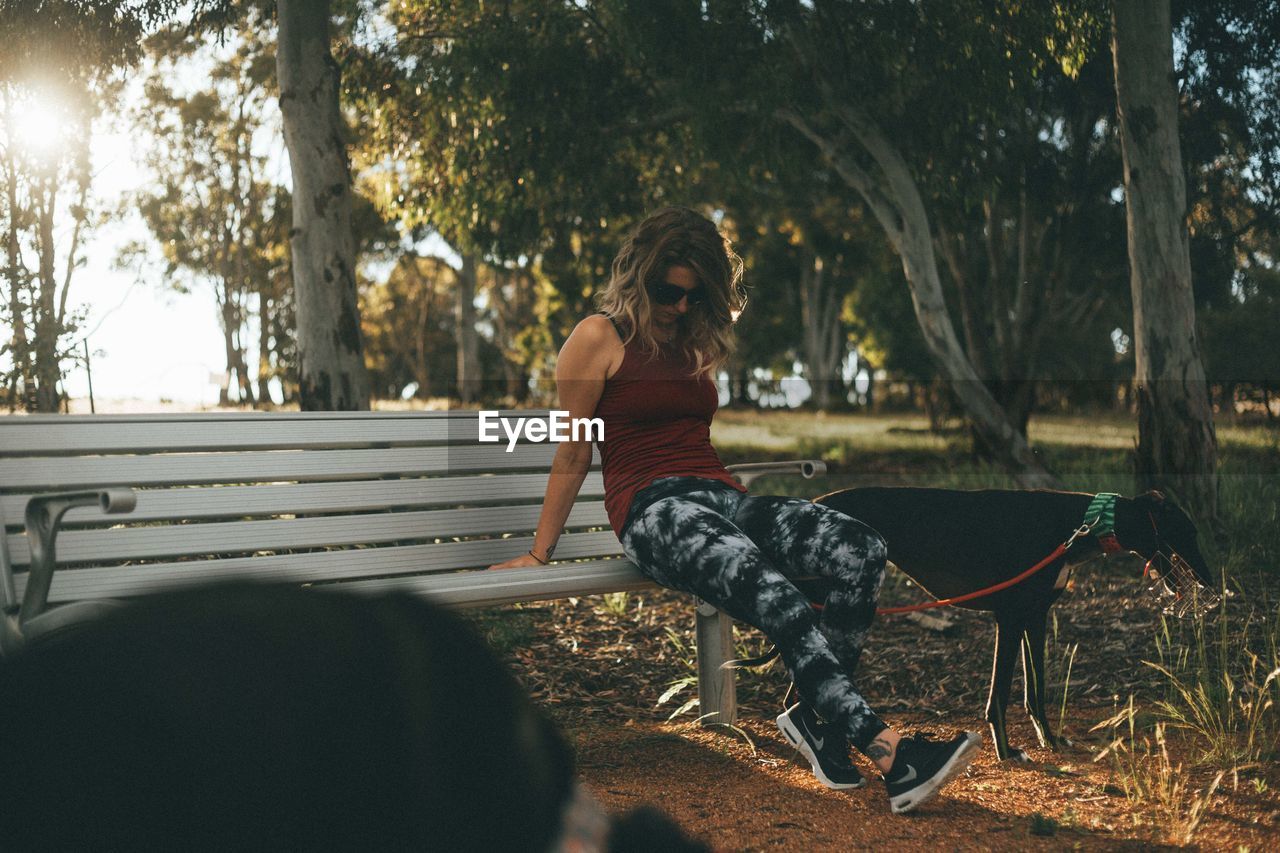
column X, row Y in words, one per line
column 657, row 423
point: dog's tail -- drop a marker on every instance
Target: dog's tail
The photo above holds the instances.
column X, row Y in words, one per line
column 752, row 663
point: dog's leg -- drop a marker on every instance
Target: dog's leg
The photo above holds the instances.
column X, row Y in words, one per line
column 1008, row 636
column 1033, row 676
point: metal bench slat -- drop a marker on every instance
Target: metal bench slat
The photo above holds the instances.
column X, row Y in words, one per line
column 256, row 415
column 471, row 589
column 305, row 498
column 325, row 566
column 166, row 469
column 240, row 537
column 77, row 438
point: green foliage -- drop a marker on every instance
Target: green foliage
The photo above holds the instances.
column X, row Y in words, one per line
column 218, row 218
column 1238, row 334
column 884, row 322
column 71, row 39
column 408, row 328
column 1222, row 675
column 509, row 127
column 504, row 629
column 686, row 657
column 1230, row 135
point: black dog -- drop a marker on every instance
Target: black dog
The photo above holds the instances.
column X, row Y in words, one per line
column 955, row 542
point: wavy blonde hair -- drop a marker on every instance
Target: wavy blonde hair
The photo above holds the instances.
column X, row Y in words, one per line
column 678, row 236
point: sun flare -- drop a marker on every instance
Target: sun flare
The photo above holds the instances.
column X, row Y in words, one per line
column 40, row 125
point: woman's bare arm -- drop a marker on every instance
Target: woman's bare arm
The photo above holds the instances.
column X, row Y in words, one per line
column 587, row 358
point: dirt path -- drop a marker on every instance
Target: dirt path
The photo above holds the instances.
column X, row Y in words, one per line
column 739, row 798
column 598, row 666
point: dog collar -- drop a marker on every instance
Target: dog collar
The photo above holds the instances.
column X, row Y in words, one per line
column 1100, row 518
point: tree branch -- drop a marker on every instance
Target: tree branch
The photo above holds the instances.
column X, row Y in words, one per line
column 852, row 174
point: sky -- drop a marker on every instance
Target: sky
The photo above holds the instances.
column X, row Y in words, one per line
column 146, row 340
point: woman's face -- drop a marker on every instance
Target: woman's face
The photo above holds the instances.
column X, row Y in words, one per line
column 667, row 317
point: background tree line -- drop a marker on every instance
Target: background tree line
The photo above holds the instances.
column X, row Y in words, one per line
column 930, row 197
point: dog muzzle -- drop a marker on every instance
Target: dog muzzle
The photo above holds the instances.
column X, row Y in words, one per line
column 1175, row 587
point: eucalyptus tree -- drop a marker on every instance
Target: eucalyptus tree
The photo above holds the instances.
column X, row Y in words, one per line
column 1177, row 444
column 59, row 67
column 520, row 139
column 216, row 215
column 885, row 91
column 1029, row 234
column 47, row 180
column 408, row 328
column 331, row 370
column 1228, row 73
column 802, row 266
column 80, row 34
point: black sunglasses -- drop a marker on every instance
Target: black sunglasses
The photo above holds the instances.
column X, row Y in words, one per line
column 671, row 294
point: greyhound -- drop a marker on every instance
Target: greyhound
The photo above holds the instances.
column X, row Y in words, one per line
column 955, row 542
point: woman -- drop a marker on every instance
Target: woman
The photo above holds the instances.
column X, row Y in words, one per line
column 644, row 366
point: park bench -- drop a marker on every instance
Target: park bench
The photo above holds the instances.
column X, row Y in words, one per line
column 369, row 502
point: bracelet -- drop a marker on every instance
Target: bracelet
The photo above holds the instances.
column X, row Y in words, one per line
column 536, row 557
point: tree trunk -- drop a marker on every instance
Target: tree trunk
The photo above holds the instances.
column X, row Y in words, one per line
column 508, row 297
column 47, row 332
column 1177, row 448
column 242, row 347
column 421, row 342
column 264, row 350
column 331, row 370
column 468, row 342
column 228, row 349
column 820, row 317
column 975, row 339
column 895, row 200
column 20, row 346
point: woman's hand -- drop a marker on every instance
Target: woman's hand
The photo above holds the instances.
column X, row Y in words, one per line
column 520, row 562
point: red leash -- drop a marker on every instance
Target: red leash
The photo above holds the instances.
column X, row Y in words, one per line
column 969, row 596
column 942, row 602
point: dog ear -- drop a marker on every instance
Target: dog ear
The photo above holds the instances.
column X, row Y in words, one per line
column 1152, row 500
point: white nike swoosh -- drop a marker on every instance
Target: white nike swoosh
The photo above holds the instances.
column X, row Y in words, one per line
column 911, row 775
column 818, row 742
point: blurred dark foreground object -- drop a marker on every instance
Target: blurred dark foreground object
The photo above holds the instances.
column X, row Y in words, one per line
column 276, row 718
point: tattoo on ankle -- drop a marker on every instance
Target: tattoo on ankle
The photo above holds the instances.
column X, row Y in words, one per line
column 879, row 749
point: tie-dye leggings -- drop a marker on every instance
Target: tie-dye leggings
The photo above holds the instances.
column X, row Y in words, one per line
column 737, row 552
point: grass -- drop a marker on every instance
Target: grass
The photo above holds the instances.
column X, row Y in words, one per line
column 1221, row 691
column 1090, row 454
column 505, row 629
column 750, row 681
column 1151, row 780
column 615, row 603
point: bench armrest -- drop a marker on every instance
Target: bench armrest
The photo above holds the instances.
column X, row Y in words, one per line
column 44, row 517
column 807, row 468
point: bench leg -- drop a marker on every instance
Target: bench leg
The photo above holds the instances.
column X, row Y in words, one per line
column 717, row 696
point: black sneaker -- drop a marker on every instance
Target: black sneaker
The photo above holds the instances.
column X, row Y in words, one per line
column 921, row 767
column 827, row 751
